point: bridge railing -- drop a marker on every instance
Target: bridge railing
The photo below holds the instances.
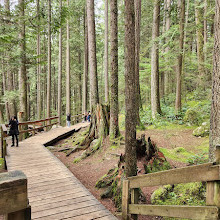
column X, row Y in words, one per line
column 208, row 172
column 13, row 196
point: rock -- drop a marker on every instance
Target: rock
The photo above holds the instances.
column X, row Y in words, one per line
column 202, row 131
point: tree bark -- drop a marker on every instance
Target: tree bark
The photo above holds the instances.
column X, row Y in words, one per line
column 168, row 24
column 181, row 12
column 60, row 69
column 155, row 94
column 85, row 73
column 200, row 41
column 137, row 56
column 214, row 137
column 49, row 62
column 68, row 106
column 38, row 64
column 92, row 53
column 114, row 128
column 22, row 70
column 106, row 54
column 130, row 95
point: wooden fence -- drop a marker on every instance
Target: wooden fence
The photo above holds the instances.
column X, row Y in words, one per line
column 77, row 118
column 13, row 196
column 208, row 172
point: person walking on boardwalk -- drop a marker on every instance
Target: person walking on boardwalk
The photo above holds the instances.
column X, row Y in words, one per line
column 13, row 131
column 68, row 119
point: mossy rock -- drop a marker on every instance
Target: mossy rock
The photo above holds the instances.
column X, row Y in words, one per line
column 192, row 117
column 202, row 131
column 161, row 194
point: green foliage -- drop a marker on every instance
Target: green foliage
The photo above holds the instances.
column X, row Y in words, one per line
column 198, row 159
column 192, row 117
column 2, row 163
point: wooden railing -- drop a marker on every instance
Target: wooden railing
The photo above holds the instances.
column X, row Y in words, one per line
column 13, row 196
column 209, row 172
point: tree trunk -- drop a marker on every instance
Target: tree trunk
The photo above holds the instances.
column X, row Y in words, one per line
column 200, row 42
column 60, row 69
column 22, row 70
column 49, row 62
column 85, row 73
column 92, row 53
column 168, row 22
column 106, row 54
column 114, row 128
column 38, row 64
column 215, row 109
column 137, row 56
column 130, row 95
column 205, row 29
column 181, row 12
column 68, row 106
column 155, row 95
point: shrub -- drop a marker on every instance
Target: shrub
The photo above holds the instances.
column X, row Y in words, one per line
column 192, row 117
column 198, row 159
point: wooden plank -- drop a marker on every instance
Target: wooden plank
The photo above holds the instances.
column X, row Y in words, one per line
column 63, row 209
column 203, row 172
column 189, row 212
column 13, row 192
column 125, row 199
column 95, row 215
column 54, row 204
column 66, row 196
column 73, row 213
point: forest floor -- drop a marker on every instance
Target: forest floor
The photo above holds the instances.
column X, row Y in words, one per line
column 177, row 143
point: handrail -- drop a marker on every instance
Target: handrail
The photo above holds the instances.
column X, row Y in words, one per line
column 209, row 172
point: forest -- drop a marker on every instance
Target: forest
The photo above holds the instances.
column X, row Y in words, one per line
column 141, row 67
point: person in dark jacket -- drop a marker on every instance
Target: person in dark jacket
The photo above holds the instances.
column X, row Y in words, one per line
column 13, row 124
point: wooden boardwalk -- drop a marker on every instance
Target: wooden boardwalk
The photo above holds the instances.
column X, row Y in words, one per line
column 53, row 191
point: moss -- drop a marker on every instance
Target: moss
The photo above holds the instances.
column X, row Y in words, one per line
column 157, row 166
column 2, row 162
column 192, row 194
column 181, row 156
column 180, row 150
column 192, row 117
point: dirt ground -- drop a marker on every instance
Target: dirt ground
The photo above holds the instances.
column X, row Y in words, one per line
column 92, row 168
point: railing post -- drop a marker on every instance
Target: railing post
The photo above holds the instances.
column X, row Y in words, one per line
column 213, row 188
column 125, row 199
column 134, row 200
column 33, row 129
column 20, row 127
column 2, row 152
column 13, row 196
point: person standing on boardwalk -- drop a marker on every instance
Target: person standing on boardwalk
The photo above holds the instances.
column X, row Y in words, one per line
column 13, row 124
column 68, row 119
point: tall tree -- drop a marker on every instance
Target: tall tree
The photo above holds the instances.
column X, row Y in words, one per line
column 155, row 95
column 85, row 72
column 92, row 53
column 68, row 106
column 49, row 61
column 167, row 48
column 22, row 70
column 137, row 56
column 60, row 68
column 214, row 137
column 181, row 12
column 38, row 63
column 106, row 54
column 114, row 128
column 11, row 104
column 200, row 40
column 130, row 95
